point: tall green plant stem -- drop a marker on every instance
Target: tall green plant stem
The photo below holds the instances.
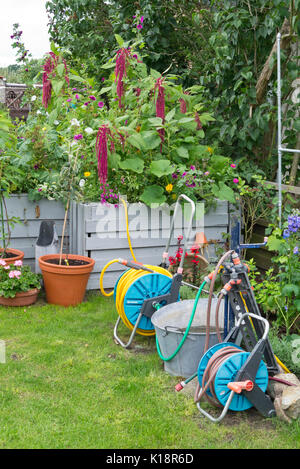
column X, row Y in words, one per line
column 2, row 225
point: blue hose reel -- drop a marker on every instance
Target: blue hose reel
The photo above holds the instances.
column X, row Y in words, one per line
column 226, row 374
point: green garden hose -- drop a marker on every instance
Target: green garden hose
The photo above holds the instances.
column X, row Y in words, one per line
column 166, row 359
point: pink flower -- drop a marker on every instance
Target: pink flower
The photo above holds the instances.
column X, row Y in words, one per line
column 77, row 96
column 235, row 180
column 92, row 98
column 139, row 26
column 142, row 19
column 78, row 137
column 233, row 165
column 100, row 104
column 18, row 263
column 11, row 274
column 2, row 262
column 206, row 173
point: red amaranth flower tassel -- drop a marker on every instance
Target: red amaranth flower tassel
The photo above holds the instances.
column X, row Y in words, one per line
column 49, row 66
column 197, row 119
column 101, row 151
column 160, row 106
column 120, row 71
column 182, row 105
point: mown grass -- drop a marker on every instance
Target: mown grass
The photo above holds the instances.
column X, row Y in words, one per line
column 66, row 384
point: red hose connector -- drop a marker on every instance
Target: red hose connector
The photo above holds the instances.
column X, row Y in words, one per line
column 179, row 386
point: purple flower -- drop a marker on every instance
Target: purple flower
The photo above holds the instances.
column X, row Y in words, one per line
column 206, row 173
column 102, row 79
column 139, row 26
column 183, row 174
column 77, row 96
column 286, row 234
column 36, row 166
column 174, row 176
column 78, row 137
column 39, row 190
column 296, row 250
column 135, row 56
column 92, row 98
column 193, row 167
column 142, row 19
column 69, row 100
column 100, row 104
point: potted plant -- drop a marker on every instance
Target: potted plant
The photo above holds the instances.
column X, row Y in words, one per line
column 19, row 286
column 9, row 174
column 66, row 275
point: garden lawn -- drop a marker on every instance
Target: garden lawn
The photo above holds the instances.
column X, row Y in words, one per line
column 66, row 384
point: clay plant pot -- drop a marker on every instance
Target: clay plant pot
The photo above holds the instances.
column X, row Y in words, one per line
column 21, row 299
column 65, row 285
column 16, row 255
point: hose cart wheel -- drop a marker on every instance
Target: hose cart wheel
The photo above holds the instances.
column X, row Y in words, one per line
column 132, row 288
column 226, row 373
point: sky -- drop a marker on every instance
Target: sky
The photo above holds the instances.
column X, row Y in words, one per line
column 32, row 18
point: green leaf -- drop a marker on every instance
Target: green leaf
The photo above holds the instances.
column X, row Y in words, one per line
column 132, row 164
column 57, row 86
column 151, row 140
column 72, row 76
column 105, row 90
column 182, row 152
column 157, row 121
column 290, row 289
column 223, row 192
column 274, row 244
column 185, row 120
column 114, row 160
column 161, row 168
column 119, row 40
column 137, row 141
column 61, row 69
column 153, row 195
column 170, row 115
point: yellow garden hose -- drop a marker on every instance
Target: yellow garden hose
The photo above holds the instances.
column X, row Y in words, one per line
column 125, row 281
column 286, row 370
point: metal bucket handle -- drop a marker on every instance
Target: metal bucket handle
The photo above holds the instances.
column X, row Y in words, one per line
column 166, row 253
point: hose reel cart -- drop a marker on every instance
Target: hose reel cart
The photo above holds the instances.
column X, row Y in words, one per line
column 142, row 287
column 229, row 376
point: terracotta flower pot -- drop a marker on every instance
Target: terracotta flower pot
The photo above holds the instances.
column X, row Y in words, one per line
column 18, row 255
column 21, row 299
column 65, row 284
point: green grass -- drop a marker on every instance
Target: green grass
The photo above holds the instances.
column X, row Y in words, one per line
column 66, row 384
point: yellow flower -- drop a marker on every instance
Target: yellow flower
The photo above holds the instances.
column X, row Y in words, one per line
column 169, row 187
column 174, row 196
column 86, row 174
column 210, row 150
column 44, row 129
